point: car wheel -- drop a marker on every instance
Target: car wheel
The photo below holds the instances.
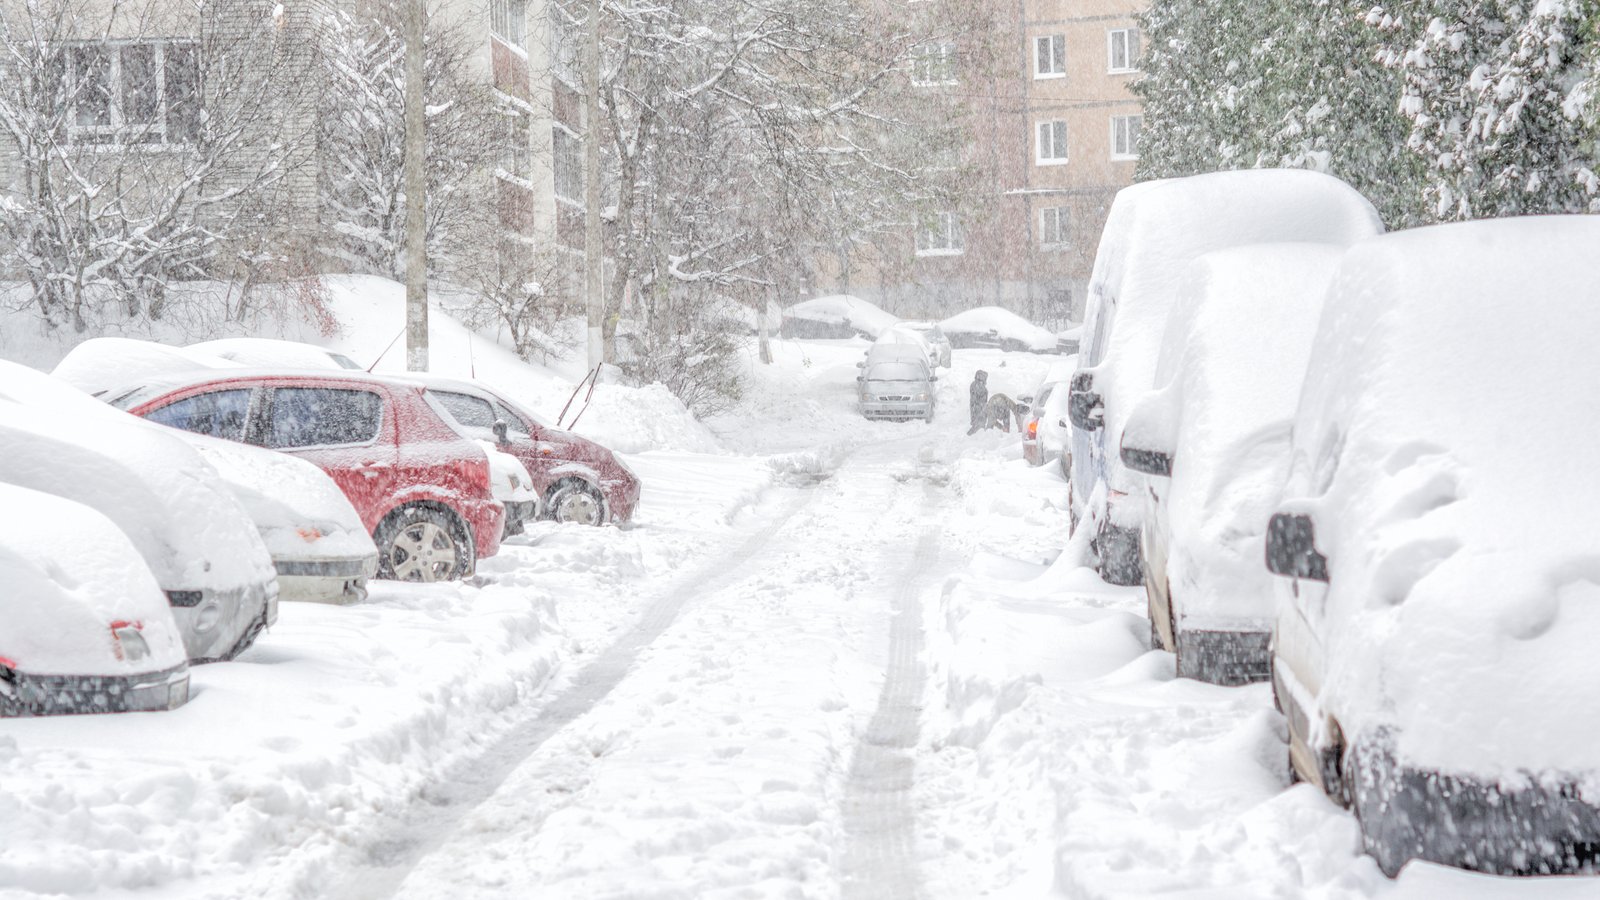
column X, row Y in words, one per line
column 1118, row 550
column 423, row 544
column 577, row 502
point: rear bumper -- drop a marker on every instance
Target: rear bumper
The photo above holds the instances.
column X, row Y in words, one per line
column 217, row 623
column 622, row 499
column 1032, row 453
column 22, row 694
column 1528, row 826
column 325, row 580
column 487, row 520
column 1224, row 657
column 518, row 514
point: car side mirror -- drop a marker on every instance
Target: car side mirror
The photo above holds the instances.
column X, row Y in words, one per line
column 1291, row 548
column 1085, row 408
column 501, row 432
column 860, row 378
column 1150, row 462
column 1025, row 398
column 1061, row 423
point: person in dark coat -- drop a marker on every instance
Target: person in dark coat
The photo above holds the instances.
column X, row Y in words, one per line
column 979, row 396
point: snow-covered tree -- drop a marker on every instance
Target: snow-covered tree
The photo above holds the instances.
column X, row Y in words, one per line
column 144, row 142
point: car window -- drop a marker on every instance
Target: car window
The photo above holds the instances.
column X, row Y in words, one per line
column 314, row 417
column 514, row 422
column 470, row 411
column 220, row 414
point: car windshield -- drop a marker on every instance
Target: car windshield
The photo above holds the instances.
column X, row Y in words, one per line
column 897, row 372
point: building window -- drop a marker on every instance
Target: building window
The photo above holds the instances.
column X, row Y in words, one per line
column 1052, row 150
column 1125, row 136
column 1053, row 226
column 139, row 92
column 1122, row 50
column 940, row 235
column 516, row 157
column 1050, row 56
column 566, row 159
column 508, row 21
column 933, row 64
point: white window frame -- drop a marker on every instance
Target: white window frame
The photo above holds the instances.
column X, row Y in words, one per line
column 1125, row 136
column 1055, row 227
column 508, row 21
column 1050, row 142
column 940, row 235
column 1127, row 41
column 934, row 64
column 575, row 143
column 117, row 131
column 1055, row 47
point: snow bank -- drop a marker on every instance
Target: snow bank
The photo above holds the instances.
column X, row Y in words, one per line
column 843, row 309
column 1444, row 449
column 1002, row 324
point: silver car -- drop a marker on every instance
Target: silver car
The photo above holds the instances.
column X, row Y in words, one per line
column 897, row 389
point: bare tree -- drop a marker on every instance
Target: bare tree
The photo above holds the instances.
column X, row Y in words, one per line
column 146, row 142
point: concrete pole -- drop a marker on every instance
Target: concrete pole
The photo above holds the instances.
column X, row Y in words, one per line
column 416, row 185
column 593, row 246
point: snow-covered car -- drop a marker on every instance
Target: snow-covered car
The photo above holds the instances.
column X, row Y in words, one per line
column 513, row 487
column 100, row 364
column 991, row 326
column 1044, row 432
column 320, row 550
column 1433, row 649
column 422, row 490
column 1154, row 231
column 195, row 537
column 895, row 383
column 906, row 337
column 577, row 480
column 267, row 353
column 87, row 629
column 835, row 316
column 934, row 336
column 1213, row 442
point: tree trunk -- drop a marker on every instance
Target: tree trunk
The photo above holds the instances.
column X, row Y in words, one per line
column 416, row 194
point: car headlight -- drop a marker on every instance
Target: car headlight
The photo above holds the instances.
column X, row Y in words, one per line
column 922, row 396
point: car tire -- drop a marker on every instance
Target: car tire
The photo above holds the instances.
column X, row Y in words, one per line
column 423, row 544
column 1120, row 562
column 576, row 502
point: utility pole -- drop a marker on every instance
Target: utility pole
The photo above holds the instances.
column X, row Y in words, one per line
column 593, row 246
column 416, row 185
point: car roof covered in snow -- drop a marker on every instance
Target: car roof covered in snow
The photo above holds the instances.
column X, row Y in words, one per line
column 70, row 574
column 1002, row 322
column 837, row 309
column 269, row 352
column 1445, row 448
column 131, row 393
column 101, row 364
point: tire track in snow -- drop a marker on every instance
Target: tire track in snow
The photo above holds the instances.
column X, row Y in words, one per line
column 878, row 817
column 432, row 821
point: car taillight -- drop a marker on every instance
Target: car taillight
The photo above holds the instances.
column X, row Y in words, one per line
column 475, row 473
column 1033, row 429
column 127, row 643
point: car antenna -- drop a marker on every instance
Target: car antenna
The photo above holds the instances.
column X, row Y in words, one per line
column 385, row 352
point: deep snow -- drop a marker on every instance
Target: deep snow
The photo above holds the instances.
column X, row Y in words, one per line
column 711, row 702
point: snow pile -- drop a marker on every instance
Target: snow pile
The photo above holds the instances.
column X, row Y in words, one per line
column 1228, row 379
column 266, row 353
column 71, row 573
column 1444, row 449
column 863, row 316
column 1001, row 324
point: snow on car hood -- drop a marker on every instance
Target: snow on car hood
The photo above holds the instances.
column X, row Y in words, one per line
column 508, row 477
column 101, row 364
column 1157, row 228
column 1229, row 374
column 70, row 574
column 1445, row 447
column 301, row 514
column 192, row 532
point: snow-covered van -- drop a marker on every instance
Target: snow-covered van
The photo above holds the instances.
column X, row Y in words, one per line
column 1154, row 231
column 1213, row 442
column 1434, row 645
column 87, row 629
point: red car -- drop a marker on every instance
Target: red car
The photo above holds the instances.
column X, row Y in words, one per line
column 422, row 490
column 580, row 480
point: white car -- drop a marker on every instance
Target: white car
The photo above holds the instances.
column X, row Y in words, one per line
column 1154, row 231
column 908, row 337
column 1044, row 430
column 1434, row 644
column 86, row 627
column 933, row 336
column 320, row 550
column 266, row 353
column 1213, row 442
column 992, row 326
column 195, row 537
column 100, row 364
column 513, row 487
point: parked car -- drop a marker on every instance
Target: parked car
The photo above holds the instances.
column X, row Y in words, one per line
column 991, row 326
column 1433, row 648
column 577, row 479
column 931, row 333
column 274, row 354
column 1154, row 231
column 835, row 316
column 1212, row 440
column 196, row 539
column 423, row 491
column 512, row 486
column 907, row 337
column 896, row 383
column 1043, row 440
column 99, row 364
column 320, row 548
column 87, row 629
